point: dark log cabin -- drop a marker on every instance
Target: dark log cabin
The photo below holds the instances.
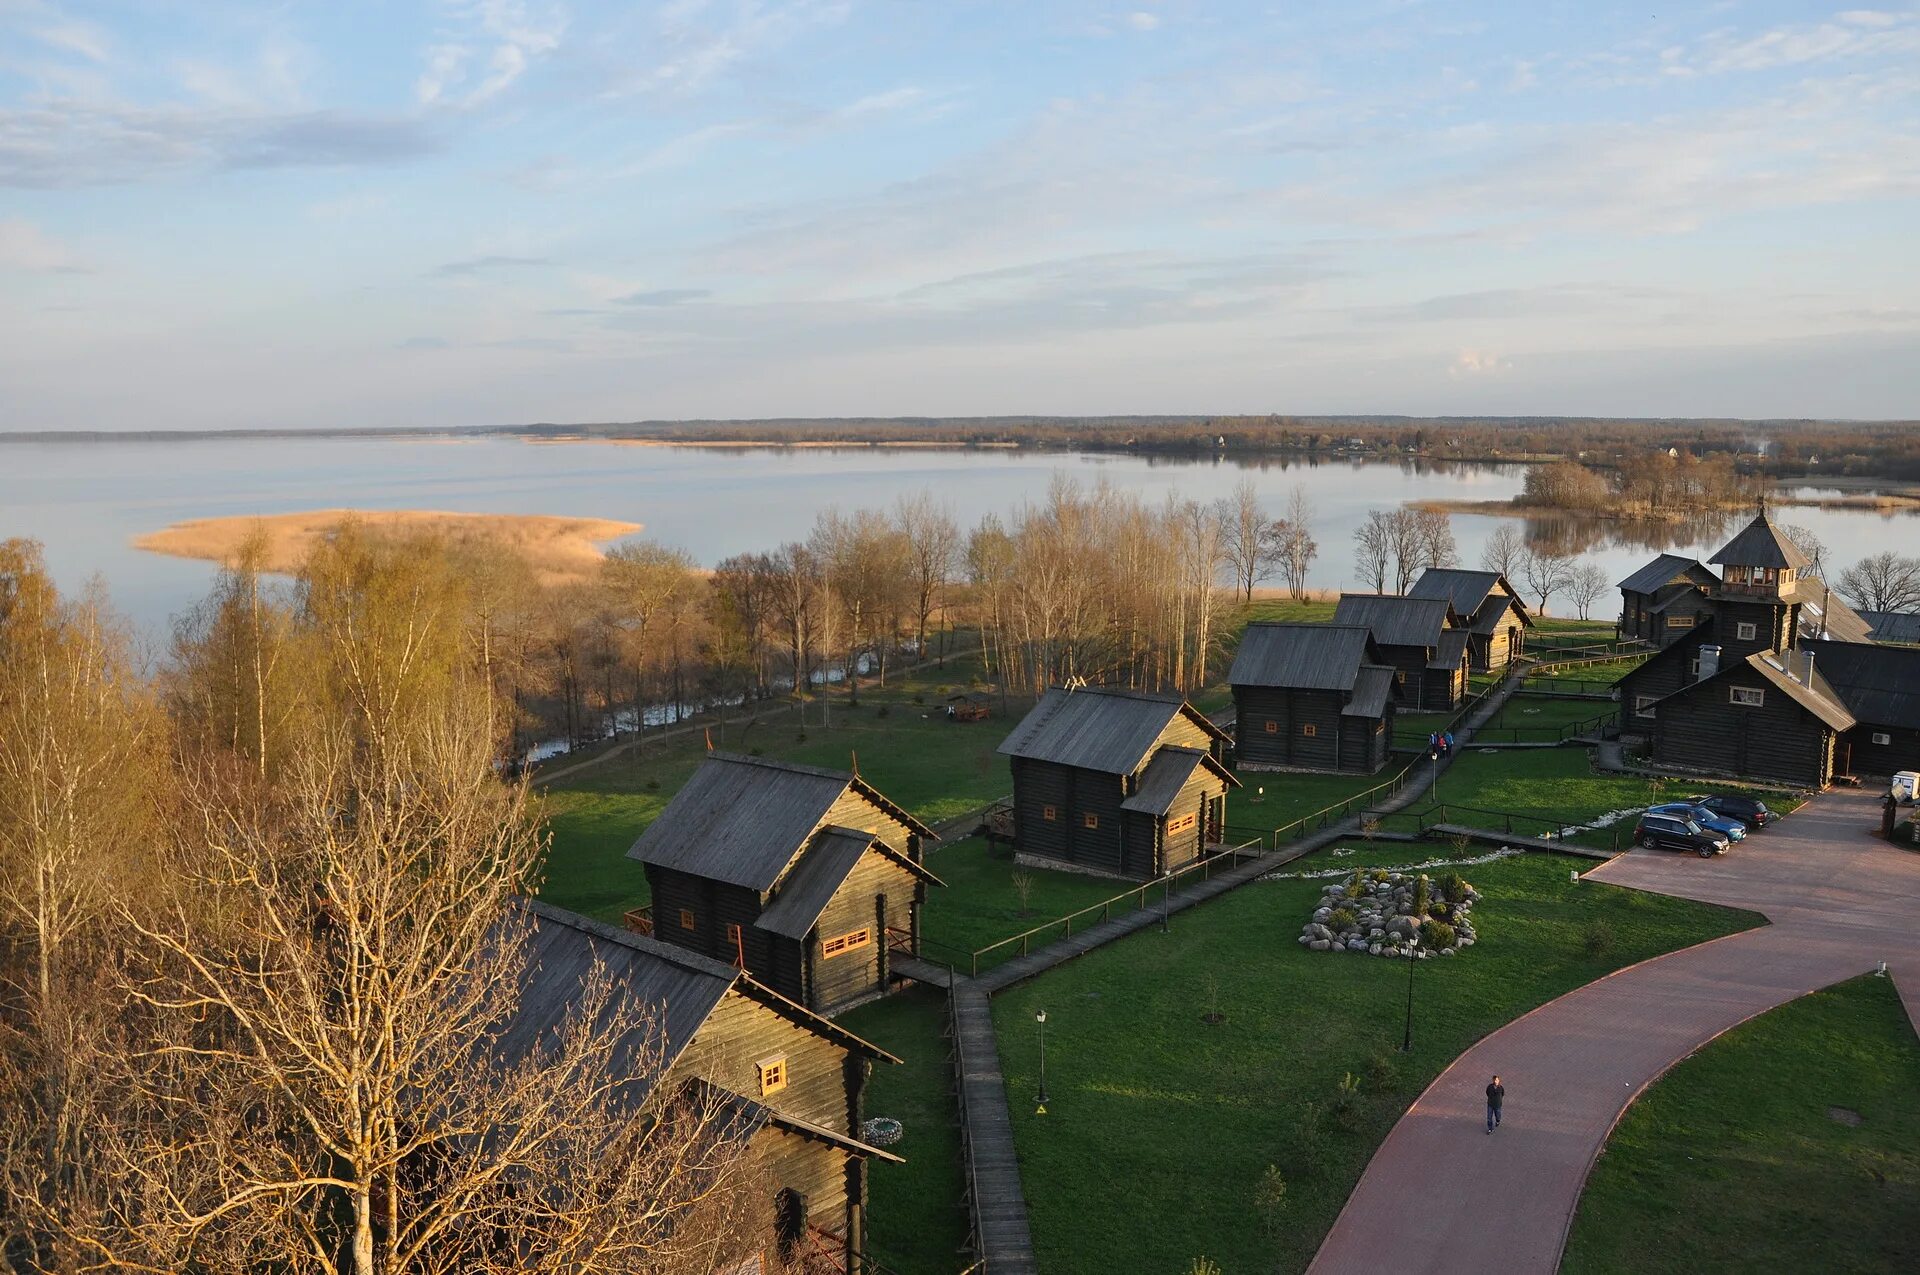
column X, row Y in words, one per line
column 1311, row 697
column 1117, row 782
column 1880, row 685
column 1665, row 671
column 1486, row 606
column 805, row 877
column 1420, row 639
column 786, row 1080
column 1770, row 715
column 1664, row 600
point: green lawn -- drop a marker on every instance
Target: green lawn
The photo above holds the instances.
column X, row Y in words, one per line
column 916, row 1222
column 1536, row 718
column 1289, row 796
column 1555, row 786
column 1734, row 1163
column 981, row 900
column 934, row 767
column 1159, row 1125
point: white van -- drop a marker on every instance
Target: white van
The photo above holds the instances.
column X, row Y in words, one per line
column 1905, row 784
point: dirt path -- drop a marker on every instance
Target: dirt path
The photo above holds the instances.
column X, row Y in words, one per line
column 1441, row 1195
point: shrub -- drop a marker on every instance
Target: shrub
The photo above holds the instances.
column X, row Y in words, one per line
column 800, row 737
column 1346, row 1101
column 1436, row 934
column 1270, row 1196
column 1381, row 1076
column 1454, row 886
column 1204, row 1266
column 884, row 710
column 1341, row 919
column 1380, row 876
column 1597, row 938
column 756, row 752
column 1422, row 895
column 653, row 785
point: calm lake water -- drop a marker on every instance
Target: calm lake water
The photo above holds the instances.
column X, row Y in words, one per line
column 86, row 501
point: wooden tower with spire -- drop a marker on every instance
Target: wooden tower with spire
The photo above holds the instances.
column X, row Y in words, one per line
column 1757, row 604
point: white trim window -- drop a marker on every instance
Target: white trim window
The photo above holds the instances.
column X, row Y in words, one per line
column 1745, row 632
column 1643, row 705
column 1746, row 696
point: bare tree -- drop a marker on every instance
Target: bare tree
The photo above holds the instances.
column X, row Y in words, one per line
column 798, row 603
column 1885, row 581
column 1504, row 551
column 1246, row 537
column 1373, row 546
column 1811, row 545
column 1587, row 582
column 1545, row 573
column 1294, row 543
column 932, row 550
column 1437, row 546
column 1409, row 543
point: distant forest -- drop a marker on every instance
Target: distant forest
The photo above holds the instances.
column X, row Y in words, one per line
column 1771, row 448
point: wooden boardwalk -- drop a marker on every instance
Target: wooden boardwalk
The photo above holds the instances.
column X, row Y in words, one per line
column 1495, row 837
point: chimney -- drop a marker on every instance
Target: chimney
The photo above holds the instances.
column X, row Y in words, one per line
column 1709, row 663
column 1809, row 669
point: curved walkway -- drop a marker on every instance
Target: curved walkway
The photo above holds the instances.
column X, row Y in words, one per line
column 1442, row 1196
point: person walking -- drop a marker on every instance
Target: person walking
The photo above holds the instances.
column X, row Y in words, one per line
column 1496, row 1094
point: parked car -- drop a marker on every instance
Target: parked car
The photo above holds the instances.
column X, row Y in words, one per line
column 1677, row 832
column 1730, row 828
column 1750, row 811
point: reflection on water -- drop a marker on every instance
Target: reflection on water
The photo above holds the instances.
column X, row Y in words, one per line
column 86, row 502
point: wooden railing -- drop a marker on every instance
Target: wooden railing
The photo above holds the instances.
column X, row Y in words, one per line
column 640, row 920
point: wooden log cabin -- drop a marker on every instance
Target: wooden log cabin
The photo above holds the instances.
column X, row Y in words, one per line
column 1663, row 601
column 787, row 1081
column 805, row 877
column 1486, row 606
column 1311, row 697
column 1420, row 638
column 1880, row 686
column 1768, row 715
column 1116, row 782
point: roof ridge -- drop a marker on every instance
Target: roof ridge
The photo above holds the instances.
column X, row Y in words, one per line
column 680, row 956
column 775, row 763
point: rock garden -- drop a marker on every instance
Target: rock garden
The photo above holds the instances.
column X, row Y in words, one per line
column 1376, row 912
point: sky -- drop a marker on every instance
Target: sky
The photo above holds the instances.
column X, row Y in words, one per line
column 479, row 212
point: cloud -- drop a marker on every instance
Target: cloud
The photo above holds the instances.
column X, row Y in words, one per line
column 510, row 34
column 702, row 42
column 664, row 297
column 1477, row 363
column 25, row 247
column 81, row 38
column 424, row 343
column 1143, row 21
column 471, row 266
column 329, row 139
column 445, row 63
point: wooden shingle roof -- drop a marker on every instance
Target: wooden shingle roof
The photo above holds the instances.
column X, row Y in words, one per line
column 1371, row 691
column 1666, row 569
column 1395, row 620
column 742, row 820
column 1761, row 543
column 1483, row 595
column 1098, row 728
column 803, row 894
column 1167, row 774
column 1308, row 657
column 1878, row 684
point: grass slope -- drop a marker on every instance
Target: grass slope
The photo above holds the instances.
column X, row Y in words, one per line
column 1159, row 1125
column 1731, row 1162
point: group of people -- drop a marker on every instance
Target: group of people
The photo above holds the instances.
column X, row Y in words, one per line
column 1439, row 744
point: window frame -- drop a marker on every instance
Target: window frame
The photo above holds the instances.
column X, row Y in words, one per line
column 1182, row 824
column 1050, row 813
column 774, row 1074
column 851, row 941
column 1736, row 695
column 1271, row 727
column 1089, row 821
column 1746, row 631
column 1643, row 704
column 1310, row 729
column 687, row 919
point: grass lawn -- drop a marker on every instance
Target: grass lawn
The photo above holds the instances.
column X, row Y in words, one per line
column 1159, row 1126
column 1733, row 1162
column 1554, row 785
column 981, row 903
column 1283, row 611
column 1288, row 796
column 916, row 1221
column 1534, row 717
column 935, row 768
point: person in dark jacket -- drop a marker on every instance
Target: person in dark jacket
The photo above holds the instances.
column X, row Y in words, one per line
column 1496, row 1094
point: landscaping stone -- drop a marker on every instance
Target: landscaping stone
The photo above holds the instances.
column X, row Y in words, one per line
column 1385, row 921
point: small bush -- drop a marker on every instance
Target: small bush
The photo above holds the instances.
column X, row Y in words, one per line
column 1270, row 1197
column 756, row 752
column 885, row 710
column 1454, row 887
column 1380, row 876
column 1381, row 1076
column 1436, row 934
column 653, row 785
column 800, row 737
column 1204, row 1266
column 1422, row 895
column 1597, row 938
column 1341, row 919
column 1346, row 1101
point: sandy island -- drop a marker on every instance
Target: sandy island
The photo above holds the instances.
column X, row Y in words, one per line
column 559, row 550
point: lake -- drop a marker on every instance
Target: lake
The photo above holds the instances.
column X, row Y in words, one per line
column 86, row 501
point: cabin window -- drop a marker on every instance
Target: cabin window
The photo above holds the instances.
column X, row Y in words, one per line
column 1380, row 727
column 686, row 919
column 1182, row 824
column 1089, row 820
column 1679, row 621
column 1746, row 696
column 1745, row 632
column 733, row 934
column 1309, row 729
column 1273, row 727
column 773, row 1075
column 851, row 941
column 1643, row 705
column 1049, row 813
column 1880, row 738
column 1400, row 676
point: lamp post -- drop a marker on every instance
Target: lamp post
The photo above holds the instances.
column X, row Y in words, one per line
column 1040, row 1017
column 1406, row 1041
column 1433, row 789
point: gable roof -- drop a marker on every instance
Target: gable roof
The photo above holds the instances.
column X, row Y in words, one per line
column 1316, row 657
column 1395, row 620
column 1099, row 728
column 1371, row 691
column 1468, row 591
column 1879, row 685
column 803, row 894
column 1494, row 609
column 1664, row 570
column 1893, row 626
column 1761, row 543
column 1790, row 673
column 1824, row 615
column 1451, row 651
column 742, row 820
column 1167, row 774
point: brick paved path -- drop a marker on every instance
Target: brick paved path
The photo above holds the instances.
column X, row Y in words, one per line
column 1440, row 1195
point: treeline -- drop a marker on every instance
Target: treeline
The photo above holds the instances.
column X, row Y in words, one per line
column 262, row 952
column 1652, row 484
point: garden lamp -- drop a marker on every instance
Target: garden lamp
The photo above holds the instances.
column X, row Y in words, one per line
column 1040, row 1017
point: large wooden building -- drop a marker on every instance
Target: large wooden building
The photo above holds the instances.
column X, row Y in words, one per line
column 1766, row 715
column 1663, row 601
column 805, row 877
column 788, row 1081
column 1117, row 782
column 1486, row 606
column 1311, row 697
column 1880, row 685
column 1420, row 639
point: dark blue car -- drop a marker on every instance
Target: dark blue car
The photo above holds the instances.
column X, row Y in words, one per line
column 1731, row 829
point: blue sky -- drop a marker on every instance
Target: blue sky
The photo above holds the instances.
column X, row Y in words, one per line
column 489, row 211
